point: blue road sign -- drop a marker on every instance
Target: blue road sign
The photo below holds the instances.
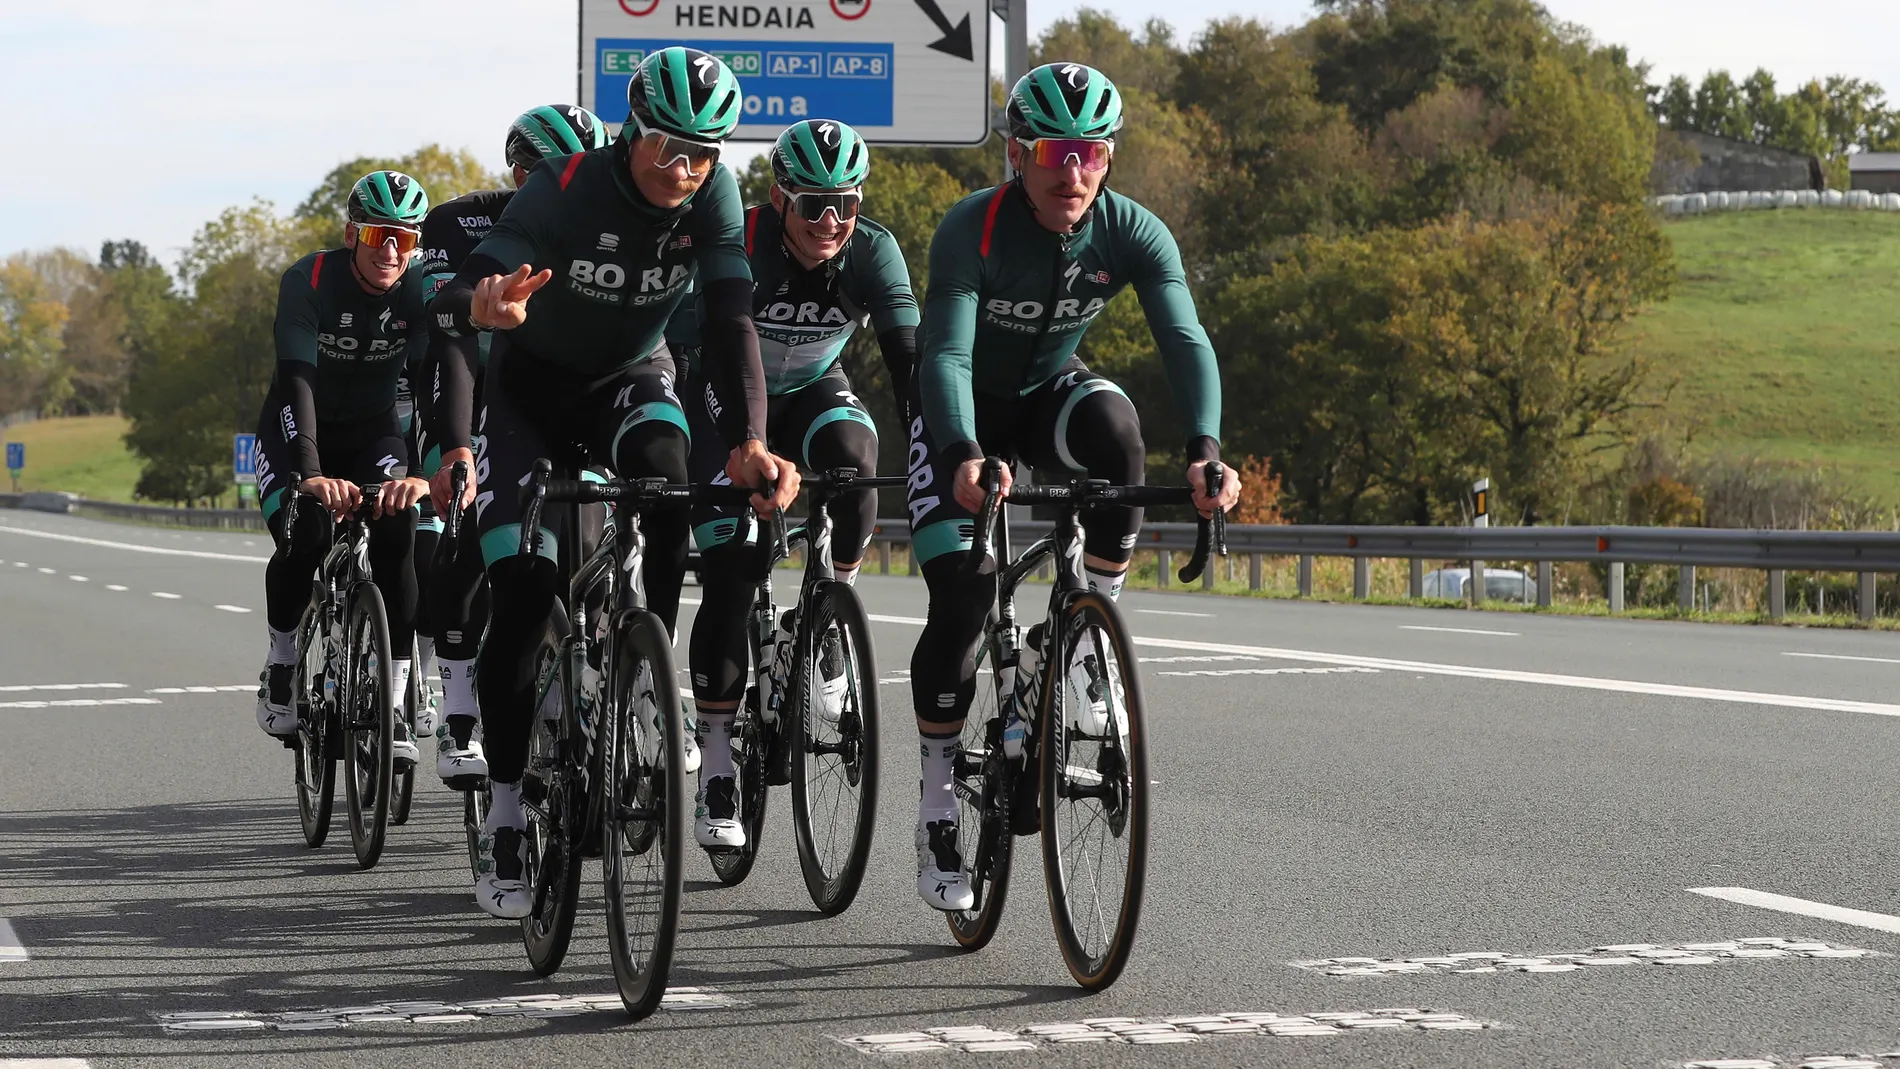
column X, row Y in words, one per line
column 16, row 456
column 783, row 82
column 244, row 457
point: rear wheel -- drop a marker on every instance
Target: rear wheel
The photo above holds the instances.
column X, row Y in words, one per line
column 1094, row 792
column 315, row 771
column 984, row 782
column 369, row 721
column 403, row 793
column 835, row 741
column 643, row 852
column 751, row 749
column 556, row 799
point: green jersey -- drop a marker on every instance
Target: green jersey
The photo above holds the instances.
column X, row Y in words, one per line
column 1009, row 302
column 805, row 317
column 358, row 341
column 620, row 264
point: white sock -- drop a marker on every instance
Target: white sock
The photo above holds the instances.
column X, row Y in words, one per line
column 283, row 646
column 399, row 670
column 938, row 800
column 458, row 687
column 1109, row 583
column 425, row 656
column 715, row 743
column 504, row 809
column 847, row 576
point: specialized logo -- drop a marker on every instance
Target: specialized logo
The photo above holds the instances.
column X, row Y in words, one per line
column 706, row 69
column 828, row 134
column 1076, row 75
column 608, row 242
column 1068, row 277
column 382, row 321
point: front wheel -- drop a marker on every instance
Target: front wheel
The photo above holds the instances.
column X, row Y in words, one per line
column 985, row 780
column 751, row 755
column 315, row 770
column 556, row 800
column 403, row 793
column 644, row 826
column 369, row 721
column 1094, row 757
column 834, row 722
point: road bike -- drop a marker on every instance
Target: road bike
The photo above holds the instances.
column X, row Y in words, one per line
column 810, row 718
column 1056, row 740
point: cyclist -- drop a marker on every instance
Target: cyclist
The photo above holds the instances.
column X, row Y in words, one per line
column 582, row 367
column 1017, row 272
column 455, row 599
column 818, row 269
column 348, row 321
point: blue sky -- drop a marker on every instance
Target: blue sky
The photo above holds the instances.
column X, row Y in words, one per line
column 156, row 116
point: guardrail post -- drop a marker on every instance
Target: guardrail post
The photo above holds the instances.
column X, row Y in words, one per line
column 1415, row 583
column 1866, row 599
column 1616, row 586
column 910, row 550
column 1305, row 572
column 1207, row 573
column 1475, row 589
column 1162, row 567
column 1544, row 571
column 1361, row 578
column 1253, row 571
column 884, row 558
column 1685, row 587
column 1777, row 593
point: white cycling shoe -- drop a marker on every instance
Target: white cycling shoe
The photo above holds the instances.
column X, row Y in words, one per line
column 716, row 816
column 456, row 758
column 501, row 866
column 276, row 710
column 941, row 881
column 1088, row 690
column 831, row 678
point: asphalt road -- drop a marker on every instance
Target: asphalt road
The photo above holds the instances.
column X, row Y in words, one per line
column 1334, row 782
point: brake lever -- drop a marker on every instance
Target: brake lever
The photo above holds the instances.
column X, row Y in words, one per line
column 531, row 516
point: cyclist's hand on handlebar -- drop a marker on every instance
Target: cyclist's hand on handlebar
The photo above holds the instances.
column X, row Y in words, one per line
column 338, row 497
column 1229, row 488
column 752, row 465
column 440, row 488
column 968, row 484
column 399, row 494
column 501, row 301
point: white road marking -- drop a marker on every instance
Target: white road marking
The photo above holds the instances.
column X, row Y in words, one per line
column 19, row 564
column 115, row 586
column 231, row 688
column 430, row 1012
column 1860, row 918
column 1172, row 612
column 1545, row 679
column 1137, row 1031
column 47, row 571
column 11, row 949
column 79, row 579
column 231, row 608
column 14, row 687
column 44, row 1063
column 1842, row 657
column 73, row 703
column 1203, row 659
column 166, row 596
column 131, row 547
column 1332, row 670
column 1769, row 948
column 1457, row 630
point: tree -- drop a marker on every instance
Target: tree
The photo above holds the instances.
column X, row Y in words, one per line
column 444, row 175
column 31, row 321
column 1148, row 63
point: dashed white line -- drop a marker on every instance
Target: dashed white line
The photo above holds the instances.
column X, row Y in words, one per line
column 79, row 579
column 1860, row 918
column 228, row 688
column 1842, row 657
column 114, row 586
column 19, row 564
column 48, row 571
column 132, row 547
column 1174, row 612
column 231, row 608
column 1458, row 630
column 77, row 703
column 44, row 1063
column 11, row 949
column 17, row 687
column 166, row 596
column 1321, row 671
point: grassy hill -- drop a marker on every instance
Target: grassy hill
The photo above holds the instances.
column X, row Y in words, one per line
column 1783, row 338
column 83, row 454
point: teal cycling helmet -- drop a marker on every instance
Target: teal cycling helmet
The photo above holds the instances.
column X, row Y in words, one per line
column 820, row 154
column 685, row 93
column 388, row 197
column 1064, row 100
column 553, row 130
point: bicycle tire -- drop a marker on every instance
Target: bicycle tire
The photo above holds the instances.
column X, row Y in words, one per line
column 554, row 862
column 1094, row 787
column 985, row 780
column 474, row 813
column 368, row 720
column 314, row 771
column 851, row 745
column 752, row 741
column 646, row 808
column 403, row 793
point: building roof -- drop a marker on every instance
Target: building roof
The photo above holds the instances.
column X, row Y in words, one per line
column 1874, row 161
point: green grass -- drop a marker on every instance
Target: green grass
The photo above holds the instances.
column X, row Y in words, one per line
column 1783, row 339
column 82, row 454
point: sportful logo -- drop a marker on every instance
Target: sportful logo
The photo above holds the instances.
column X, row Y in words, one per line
column 345, row 319
column 609, row 242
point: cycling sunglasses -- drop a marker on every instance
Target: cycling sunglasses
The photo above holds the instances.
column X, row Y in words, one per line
column 699, row 155
column 1057, row 152
column 376, row 235
column 812, row 207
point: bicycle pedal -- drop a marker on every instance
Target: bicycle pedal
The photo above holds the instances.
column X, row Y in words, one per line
column 465, row 783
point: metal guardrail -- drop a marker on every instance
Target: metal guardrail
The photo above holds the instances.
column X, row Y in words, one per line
column 55, row 501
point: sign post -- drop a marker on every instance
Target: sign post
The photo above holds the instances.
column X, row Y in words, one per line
column 899, row 71
column 244, row 462
column 16, row 462
column 1481, row 517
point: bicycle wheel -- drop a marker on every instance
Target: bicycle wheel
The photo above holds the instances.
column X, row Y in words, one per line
column 474, row 813
column 751, row 749
column 834, row 766
column 644, row 828
column 315, row 771
column 402, row 794
column 985, row 780
column 555, row 797
column 369, row 721
column 1094, row 793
